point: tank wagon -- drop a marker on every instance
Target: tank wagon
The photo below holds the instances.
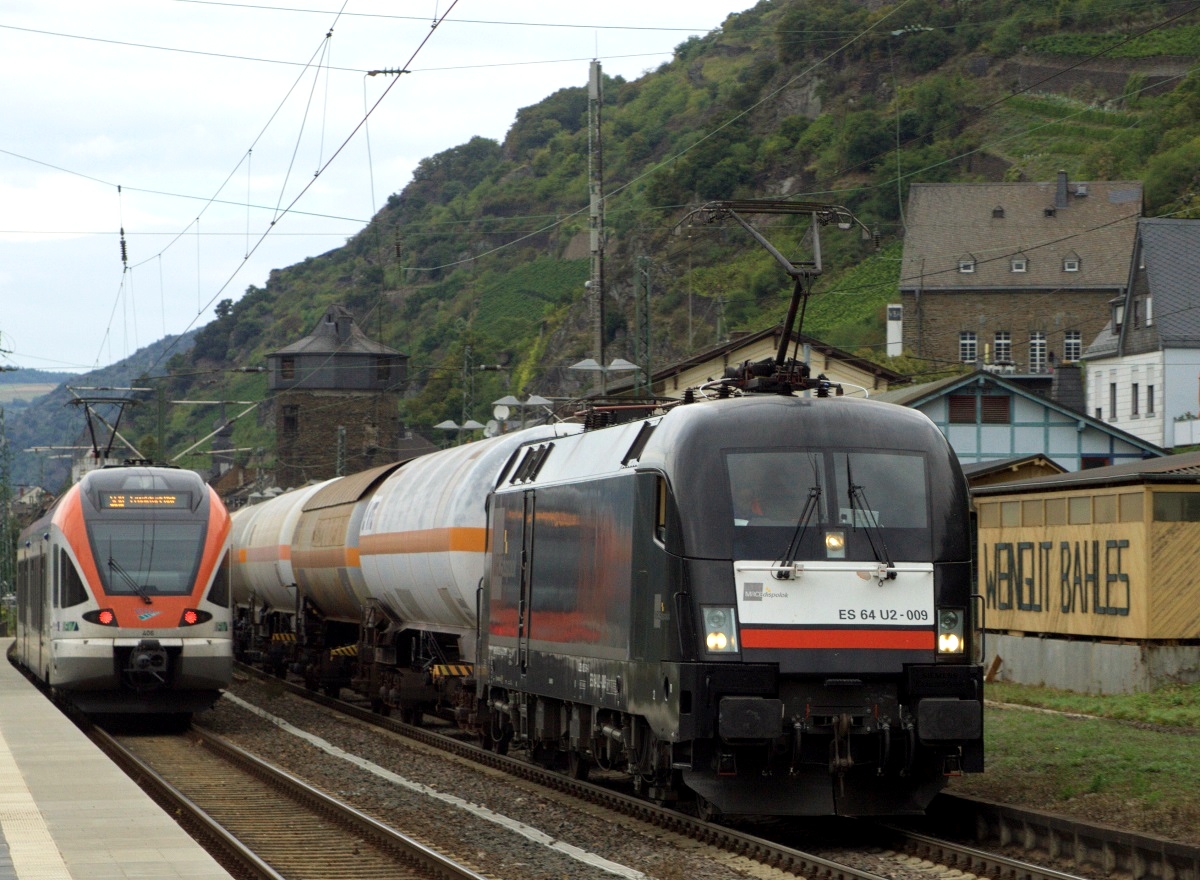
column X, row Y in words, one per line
column 371, row 580
column 764, row 602
column 123, row 599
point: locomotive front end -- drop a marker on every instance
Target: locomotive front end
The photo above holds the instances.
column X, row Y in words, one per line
column 130, row 590
column 826, row 559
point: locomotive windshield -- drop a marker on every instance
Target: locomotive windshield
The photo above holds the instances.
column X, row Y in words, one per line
column 878, row 498
column 147, row 558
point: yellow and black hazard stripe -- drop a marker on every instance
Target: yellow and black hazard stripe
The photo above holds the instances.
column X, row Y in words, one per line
column 283, row 637
column 345, row 651
column 452, row 670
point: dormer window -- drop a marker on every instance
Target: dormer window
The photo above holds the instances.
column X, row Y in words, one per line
column 966, row 265
column 1019, row 264
column 1118, row 314
column 1071, row 263
column 997, row 213
column 1049, row 212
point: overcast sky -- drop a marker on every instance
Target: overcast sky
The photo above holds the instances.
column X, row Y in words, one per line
column 169, row 117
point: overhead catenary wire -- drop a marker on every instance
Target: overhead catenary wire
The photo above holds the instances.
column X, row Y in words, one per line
column 407, row 232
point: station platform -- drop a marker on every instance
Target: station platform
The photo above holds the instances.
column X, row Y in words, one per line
column 67, row 812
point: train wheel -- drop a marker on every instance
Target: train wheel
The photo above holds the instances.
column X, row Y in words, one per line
column 706, row 810
column 577, row 765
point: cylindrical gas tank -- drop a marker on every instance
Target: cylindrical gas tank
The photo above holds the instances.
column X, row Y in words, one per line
column 325, row 555
column 262, row 550
column 424, row 533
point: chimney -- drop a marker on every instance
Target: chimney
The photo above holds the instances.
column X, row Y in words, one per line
column 1060, row 193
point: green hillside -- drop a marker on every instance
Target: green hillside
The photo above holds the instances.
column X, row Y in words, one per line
column 481, row 258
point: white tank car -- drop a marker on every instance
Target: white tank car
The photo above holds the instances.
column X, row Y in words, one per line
column 262, row 545
column 423, row 536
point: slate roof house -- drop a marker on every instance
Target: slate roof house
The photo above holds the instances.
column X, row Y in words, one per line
column 991, row 418
column 1142, row 368
column 1016, row 276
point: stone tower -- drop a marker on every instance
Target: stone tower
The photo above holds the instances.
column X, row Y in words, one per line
column 337, row 399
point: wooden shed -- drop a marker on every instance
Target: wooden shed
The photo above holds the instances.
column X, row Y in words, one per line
column 1107, row 556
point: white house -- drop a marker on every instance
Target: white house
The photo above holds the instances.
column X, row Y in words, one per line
column 1143, row 369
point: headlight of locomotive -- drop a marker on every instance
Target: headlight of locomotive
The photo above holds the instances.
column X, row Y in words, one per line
column 720, row 630
column 950, row 638
column 835, row 544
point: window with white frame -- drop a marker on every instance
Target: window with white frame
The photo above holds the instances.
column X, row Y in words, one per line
column 1149, row 311
column 1037, row 352
column 1071, row 263
column 1019, row 264
column 1072, row 345
column 1002, row 344
column 968, row 347
column 966, row 265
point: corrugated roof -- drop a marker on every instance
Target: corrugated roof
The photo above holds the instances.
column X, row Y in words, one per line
column 991, row 223
column 349, row 489
column 1183, row 468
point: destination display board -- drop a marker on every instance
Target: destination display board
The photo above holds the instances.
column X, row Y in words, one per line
column 145, row 500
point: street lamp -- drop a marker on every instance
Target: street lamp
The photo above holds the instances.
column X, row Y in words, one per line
column 451, row 425
column 618, row 365
column 503, row 407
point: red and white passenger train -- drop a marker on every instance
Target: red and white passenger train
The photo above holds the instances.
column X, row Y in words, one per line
column 123, row 593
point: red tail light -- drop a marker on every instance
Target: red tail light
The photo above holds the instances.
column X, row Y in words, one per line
column 104, row 617
column 193, row 616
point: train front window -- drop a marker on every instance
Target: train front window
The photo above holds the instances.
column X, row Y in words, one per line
column 827, row 504
column 147, row 559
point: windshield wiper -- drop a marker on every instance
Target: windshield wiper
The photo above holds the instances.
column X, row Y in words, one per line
column 811, row 505
column 858, row 495
column 113, row 565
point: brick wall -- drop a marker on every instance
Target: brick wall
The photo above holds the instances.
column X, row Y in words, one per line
column 306, row 433
column 932, row 331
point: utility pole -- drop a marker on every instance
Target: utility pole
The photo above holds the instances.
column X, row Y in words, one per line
column 468, row 380
column 596, row 219
column 8, row 562
column 642, row 328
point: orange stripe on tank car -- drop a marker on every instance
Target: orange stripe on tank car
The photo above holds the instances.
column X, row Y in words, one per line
column 824, row 639
column 462, row 538
column 326, row 557
column 270, row 553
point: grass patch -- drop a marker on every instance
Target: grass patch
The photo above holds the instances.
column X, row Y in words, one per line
column 1084, row 758
column 1175, row 705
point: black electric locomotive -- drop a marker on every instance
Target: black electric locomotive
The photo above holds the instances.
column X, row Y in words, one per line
column 765, row 600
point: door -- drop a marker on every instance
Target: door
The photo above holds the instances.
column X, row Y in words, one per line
column 525, row 606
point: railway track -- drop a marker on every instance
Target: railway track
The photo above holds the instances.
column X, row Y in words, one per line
column 264, row 823
column 879, row 850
